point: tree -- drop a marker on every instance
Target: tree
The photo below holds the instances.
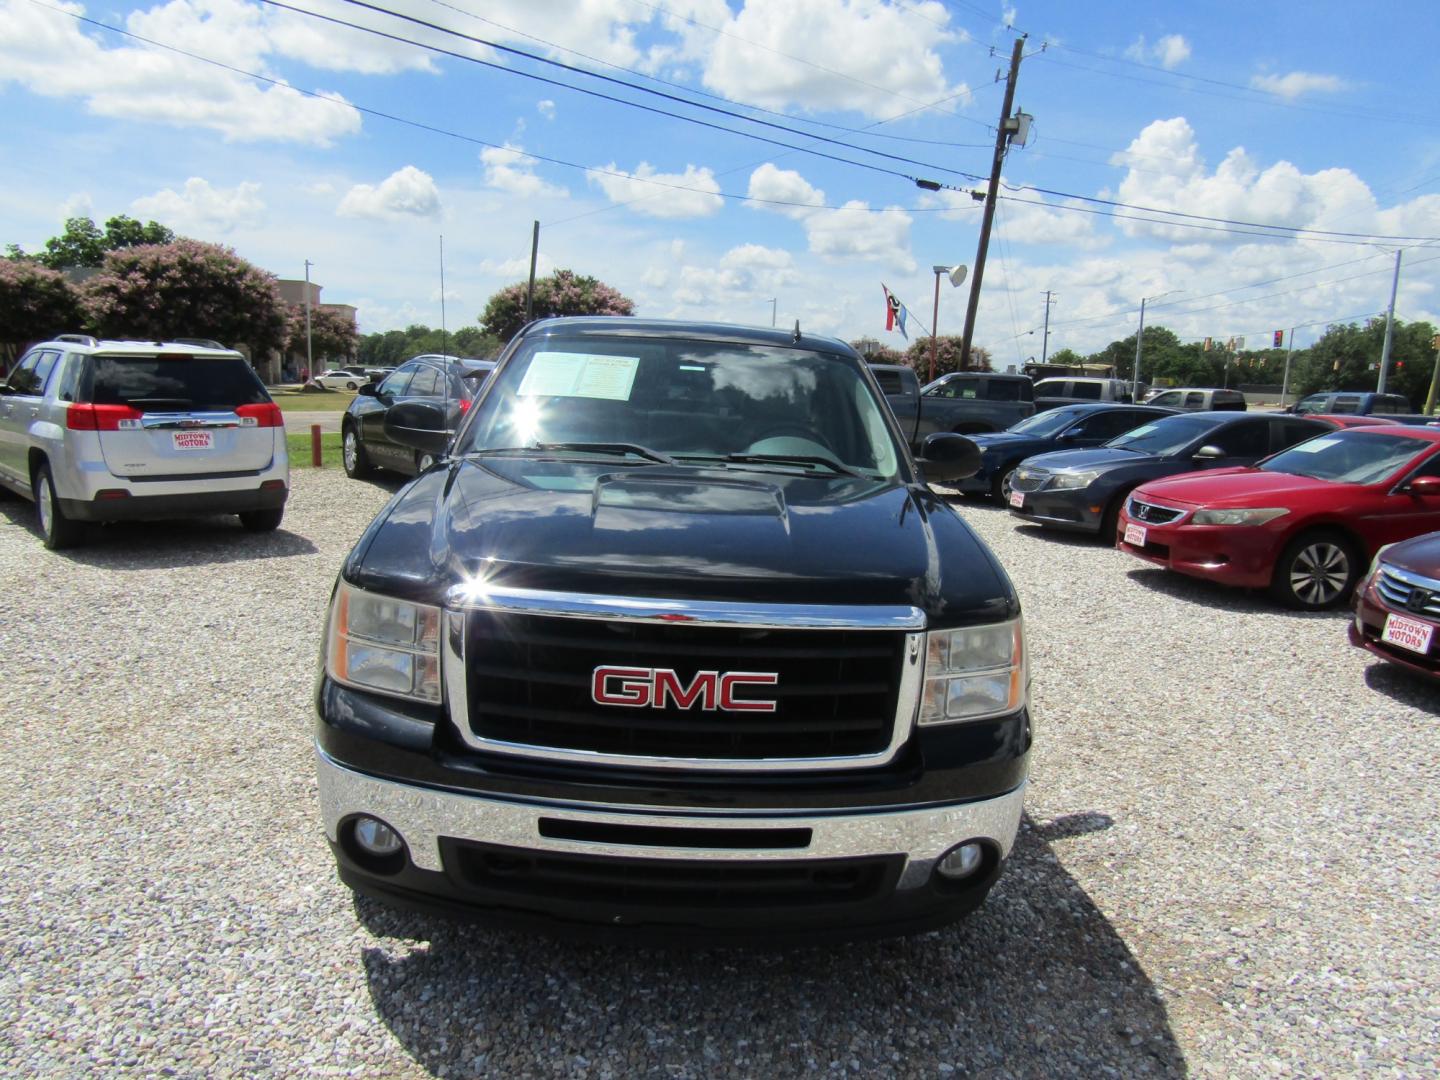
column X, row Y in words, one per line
column 186, row 289
column 562, row 293
column 391, row 347
column 36, row 303
column 332, row 335
column 123, row 232
column 84, row 244
column 878, row 354
column 1068, row 357
column 1342, row 360
column 947, row 358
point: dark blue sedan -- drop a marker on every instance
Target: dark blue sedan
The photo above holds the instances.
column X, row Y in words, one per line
column 1070, row 427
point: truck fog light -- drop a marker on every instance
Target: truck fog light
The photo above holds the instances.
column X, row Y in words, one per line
column 376, row 838
column 961, row 861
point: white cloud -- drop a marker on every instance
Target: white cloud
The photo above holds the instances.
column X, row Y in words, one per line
column 519, row 266
column 46, row 52
column 1299, row 83
column 694, row 194
column 78, row 205
column 408, row 192
column 511, row 171
column 824, row 54
column 1169, row 52
column 851, row 231
column 201, row 209
column 546, row 109
column 745, row 276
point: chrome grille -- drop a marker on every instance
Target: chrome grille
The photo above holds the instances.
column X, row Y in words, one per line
column 1151, row 514
column 1409, row 592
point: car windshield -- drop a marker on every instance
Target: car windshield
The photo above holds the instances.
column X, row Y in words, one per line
column 690, row 402
column 1353, row 456
column 1164, row 436
column 1046, row 423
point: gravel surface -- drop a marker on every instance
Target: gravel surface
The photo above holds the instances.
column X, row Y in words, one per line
column 1229, row 863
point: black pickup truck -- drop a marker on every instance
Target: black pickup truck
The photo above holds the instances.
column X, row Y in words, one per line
column 674, row 640
column 964, row 402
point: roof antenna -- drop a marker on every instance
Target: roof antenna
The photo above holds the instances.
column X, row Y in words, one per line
column 797, row 331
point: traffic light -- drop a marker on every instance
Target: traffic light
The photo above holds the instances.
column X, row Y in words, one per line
column 1279, row 338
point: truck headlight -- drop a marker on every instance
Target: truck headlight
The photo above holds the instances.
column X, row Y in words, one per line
column 974, row 672
column 383, row 644
column 1239, row 517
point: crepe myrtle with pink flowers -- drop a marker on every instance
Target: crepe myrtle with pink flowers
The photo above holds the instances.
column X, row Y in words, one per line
column 562, row 293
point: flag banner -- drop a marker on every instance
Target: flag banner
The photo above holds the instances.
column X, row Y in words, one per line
column 895, row 313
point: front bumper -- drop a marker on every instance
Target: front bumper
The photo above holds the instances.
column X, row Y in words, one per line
column 1242, row 556
column 1068, row 508
column 1368, row 624
column 691, row 875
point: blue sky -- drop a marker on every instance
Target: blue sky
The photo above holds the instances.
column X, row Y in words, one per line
column 1313, row 115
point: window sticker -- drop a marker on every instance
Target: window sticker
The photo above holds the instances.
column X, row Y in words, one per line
column 567, row 374
column 1314, row 446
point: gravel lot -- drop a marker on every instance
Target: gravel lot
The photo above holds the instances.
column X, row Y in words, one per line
column 1229, row 864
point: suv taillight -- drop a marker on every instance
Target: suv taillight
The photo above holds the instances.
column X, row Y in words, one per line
column 99, row 417
column 464, row 404
column 267, row 414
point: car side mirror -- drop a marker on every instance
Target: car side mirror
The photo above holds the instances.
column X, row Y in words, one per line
column 946, row 456
column 1424, row 485
column 368, row 389
column 1209, row 453
column 419, row 425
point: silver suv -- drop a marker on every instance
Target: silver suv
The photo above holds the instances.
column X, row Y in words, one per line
column 125, row 430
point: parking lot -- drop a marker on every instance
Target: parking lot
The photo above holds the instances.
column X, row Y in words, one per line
column 1229, row 863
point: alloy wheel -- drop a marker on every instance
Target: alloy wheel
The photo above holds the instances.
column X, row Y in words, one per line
column 350, row 451
column 1320, row 573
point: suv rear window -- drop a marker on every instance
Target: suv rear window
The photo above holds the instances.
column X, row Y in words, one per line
column 1087, row 391
column 175, row 382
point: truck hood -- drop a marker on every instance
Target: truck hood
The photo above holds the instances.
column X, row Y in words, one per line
column 687, row 533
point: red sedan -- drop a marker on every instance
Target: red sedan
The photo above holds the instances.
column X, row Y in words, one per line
column 1303, row 523
column 1397, row 607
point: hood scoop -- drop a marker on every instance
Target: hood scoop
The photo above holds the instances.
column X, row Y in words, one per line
column 627, row 494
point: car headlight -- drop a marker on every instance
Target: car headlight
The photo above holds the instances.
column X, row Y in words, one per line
column 383, row 644
column 974, row 672
column 1062, row 480
column 1238, row 517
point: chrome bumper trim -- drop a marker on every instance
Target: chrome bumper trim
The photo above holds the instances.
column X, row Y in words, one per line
column 423, row 815
column 476, row 595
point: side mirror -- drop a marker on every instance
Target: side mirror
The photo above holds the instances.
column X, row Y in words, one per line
column 1424, row 485
column 419, row 425
column 945, row 456
column 1209, row 453
column 368, row 389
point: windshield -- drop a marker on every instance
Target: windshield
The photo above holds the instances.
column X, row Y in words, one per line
column 686, row 402
column 1045, row 423
column 1164, row 436
column 1348, row 457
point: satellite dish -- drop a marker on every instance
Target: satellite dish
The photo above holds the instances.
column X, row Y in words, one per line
column 957, row 274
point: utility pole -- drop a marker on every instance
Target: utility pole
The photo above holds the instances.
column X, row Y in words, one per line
column 309, row 363
column 1002, row 140
column 1285, row 382
column 1045, row 343
column 1139, row 342
column 530, row 290
column 1389, row 327
column 1434, row 377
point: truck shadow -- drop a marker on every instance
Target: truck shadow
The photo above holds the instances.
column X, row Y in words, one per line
column 1036, row 983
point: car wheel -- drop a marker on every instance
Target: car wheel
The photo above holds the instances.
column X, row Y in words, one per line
column 1002, row 485
column 56, row 529
column 258, row 521
column 1316, row 571
column 352, row 385
column 1110, row 522
column 352, row 455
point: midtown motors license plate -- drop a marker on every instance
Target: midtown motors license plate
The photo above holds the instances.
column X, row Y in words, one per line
column 193, row 440
column 1407, row 633
column 1017, row 498
column 1135, row 535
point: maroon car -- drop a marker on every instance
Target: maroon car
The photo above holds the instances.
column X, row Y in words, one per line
column 1397, row 607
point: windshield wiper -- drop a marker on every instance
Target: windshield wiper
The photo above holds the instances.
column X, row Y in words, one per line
column 791, row 459
column 613, row 448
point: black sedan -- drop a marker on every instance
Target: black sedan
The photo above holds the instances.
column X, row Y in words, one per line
column 433, row 378
column 1083, row 490
column 1071, row 427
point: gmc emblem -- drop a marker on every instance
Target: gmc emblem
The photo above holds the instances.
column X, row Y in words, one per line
column 657, row 688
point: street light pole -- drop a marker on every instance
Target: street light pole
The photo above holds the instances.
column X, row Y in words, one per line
column 1389, row 327
column 309, row 362
column 1045, row 344
column 935, row 322
column 1140, row 341
column 1285, row 382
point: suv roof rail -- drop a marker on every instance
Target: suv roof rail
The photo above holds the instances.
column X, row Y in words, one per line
column 78, row 339
column 204, row 343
